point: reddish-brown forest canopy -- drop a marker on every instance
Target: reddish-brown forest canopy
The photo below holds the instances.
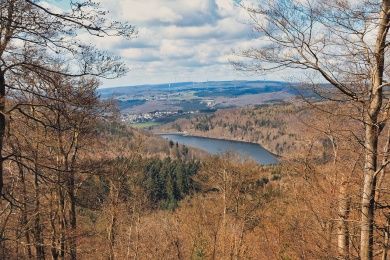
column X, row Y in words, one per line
column 76, row 183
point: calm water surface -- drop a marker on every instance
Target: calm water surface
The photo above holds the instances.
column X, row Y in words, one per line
column 216, row 146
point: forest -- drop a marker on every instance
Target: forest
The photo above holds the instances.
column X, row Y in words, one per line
column 275, row 127
column 77, row 183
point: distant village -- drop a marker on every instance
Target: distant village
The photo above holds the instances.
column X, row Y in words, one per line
column 152, row 116
column 132, row 117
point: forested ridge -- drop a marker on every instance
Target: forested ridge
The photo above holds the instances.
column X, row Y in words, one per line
column 272, row 126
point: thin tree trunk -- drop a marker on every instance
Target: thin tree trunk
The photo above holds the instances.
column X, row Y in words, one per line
column 114, row 193
column 72, row 217
column 137, row 236
column 129, row 240
column 63, row 224
column 387, row 238
column 54, row 238
column 39, row 245
column 24, row 212
column 240, row 241
column 342, row 225
column 215, row 240
column 71, row 191
column 381, row 175
column 2, row 128
column 111, row 236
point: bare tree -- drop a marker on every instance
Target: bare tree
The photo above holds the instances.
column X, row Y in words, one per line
column 344, row 43
column 33, row 38
column 46, row 147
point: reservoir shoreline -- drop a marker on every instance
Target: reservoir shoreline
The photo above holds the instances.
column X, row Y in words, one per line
column 245, row 149
column 217, row 138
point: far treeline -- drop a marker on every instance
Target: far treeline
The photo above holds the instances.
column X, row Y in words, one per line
column 77, row 184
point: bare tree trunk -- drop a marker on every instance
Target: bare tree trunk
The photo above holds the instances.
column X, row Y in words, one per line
column 368, row 199
column 387, row 238
column 342, row 225
column 24, row 212
column 17, row 242
column 114, row 193
column 54, row 238
column 63, row 224
column 39, row 245
column 130, row 229
column 238, row 247
column 2, row 127
column 111, row 236
column 72, row 217
column 215, row 240
column 137, row 236
column 381, row 177
column 382, row 173
column 371, row 138
column 69, row 166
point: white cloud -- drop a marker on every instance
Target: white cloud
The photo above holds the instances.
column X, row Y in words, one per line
column 175, row 49
column 178, row 39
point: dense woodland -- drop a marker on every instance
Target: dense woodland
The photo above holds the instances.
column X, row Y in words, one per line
column 75, row 183
column 275, row 127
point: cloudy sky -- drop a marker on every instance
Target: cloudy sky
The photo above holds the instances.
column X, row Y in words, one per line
column 180, row 40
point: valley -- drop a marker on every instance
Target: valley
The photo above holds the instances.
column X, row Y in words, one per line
column 100, row 159
column 167, row 102
column 274, row 127
column 250, row 111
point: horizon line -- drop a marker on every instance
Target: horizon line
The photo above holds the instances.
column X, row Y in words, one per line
column 178, row 82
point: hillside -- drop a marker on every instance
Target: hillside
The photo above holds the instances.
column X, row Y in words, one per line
column 167, row 102
column 275, row 127
column 154, row 171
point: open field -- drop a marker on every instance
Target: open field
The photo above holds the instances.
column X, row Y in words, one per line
column 193, row 96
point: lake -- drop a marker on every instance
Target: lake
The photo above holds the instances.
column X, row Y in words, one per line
column 219, row 146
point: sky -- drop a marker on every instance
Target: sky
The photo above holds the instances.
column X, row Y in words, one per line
column 179, row 40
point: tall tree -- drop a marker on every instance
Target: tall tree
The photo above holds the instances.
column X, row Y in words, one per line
column 34, row 38
column 343, row 43
column 48, row 140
